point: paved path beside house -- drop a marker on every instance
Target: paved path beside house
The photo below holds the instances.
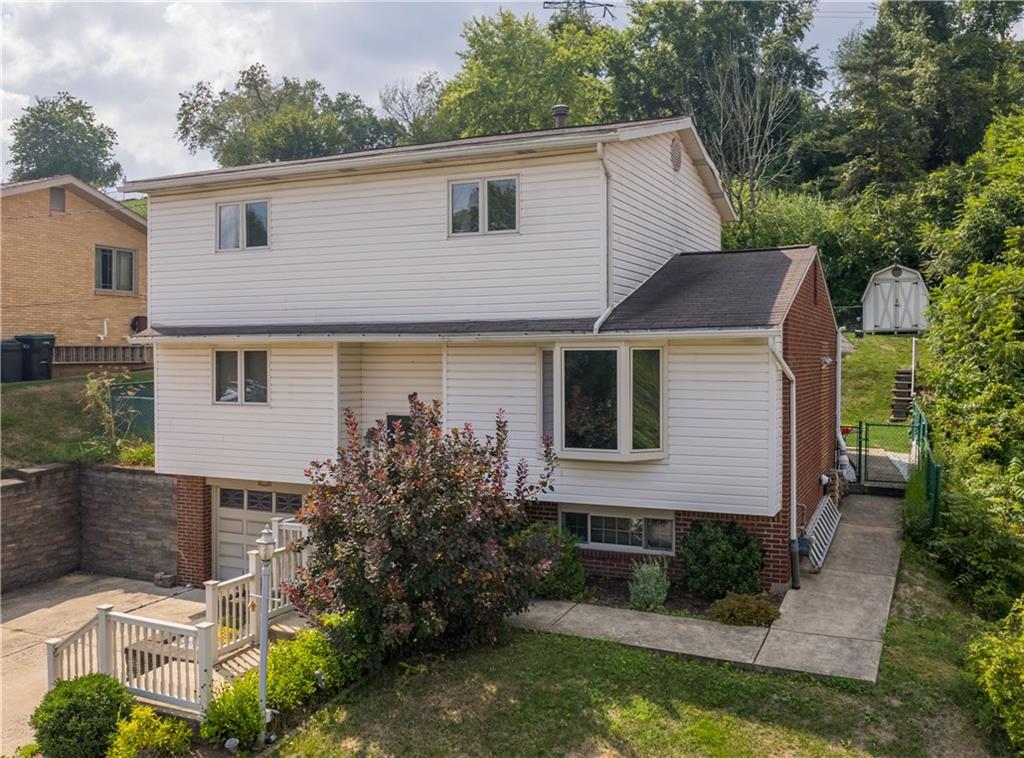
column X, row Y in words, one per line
column 33, row 614
column 832, row 625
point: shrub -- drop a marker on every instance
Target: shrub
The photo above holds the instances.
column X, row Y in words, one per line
column 413, row 532
column 234, row 711
column 649, row 586
column 719, row 559
column 743, row 610
column 78, row 717
column 565, row 578
column 145, row 734
column 353, row 650
column 297, row 669
column 137, row 453
column 996, row 660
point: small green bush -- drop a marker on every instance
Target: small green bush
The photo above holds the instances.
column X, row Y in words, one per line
column 649, row 586
column 234, row 711
column 743, row 610
column 137, row 453
column 78, row 717
column 565, row 578
column 353, row 652
column 146, row 735
column 721, row 558
column 297, row 669
column 996, row 660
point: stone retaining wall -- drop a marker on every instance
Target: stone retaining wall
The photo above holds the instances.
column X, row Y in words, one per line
column 105, row 519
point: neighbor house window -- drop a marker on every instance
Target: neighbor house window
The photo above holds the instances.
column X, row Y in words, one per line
column 619, row 530
column 240, row 368
column 484, row 205
column 57, row 199
column 115, row 270
column 610, row 401
column 243, row 225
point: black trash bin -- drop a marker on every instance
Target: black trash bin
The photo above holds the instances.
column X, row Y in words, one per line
column 13, row 368
column 38, row 355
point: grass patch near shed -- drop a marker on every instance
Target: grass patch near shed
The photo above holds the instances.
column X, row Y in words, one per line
column 545, row 694
column 868, row 375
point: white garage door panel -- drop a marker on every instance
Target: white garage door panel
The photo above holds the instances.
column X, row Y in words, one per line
column 237, row 530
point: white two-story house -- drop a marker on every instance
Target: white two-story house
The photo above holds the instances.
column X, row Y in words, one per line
column 570, row 276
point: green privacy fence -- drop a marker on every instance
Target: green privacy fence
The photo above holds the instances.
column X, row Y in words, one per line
column 133, row 409
column 924, row 481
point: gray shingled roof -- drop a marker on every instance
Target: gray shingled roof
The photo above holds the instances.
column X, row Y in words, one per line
column 715, row 290
column 707, row 290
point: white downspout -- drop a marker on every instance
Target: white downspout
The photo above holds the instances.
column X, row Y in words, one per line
column 794, row 545
column 608, row 267
column 839, row 388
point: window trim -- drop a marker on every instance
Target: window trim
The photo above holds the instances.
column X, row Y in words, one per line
column 612, row 512
column 243, row 242
column 240, row 365
column 624, row 403
column 115, row 249
column 481, row 182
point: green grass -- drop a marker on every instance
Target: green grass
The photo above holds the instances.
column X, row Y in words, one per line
column 868, row 376
column 544, row 694
column 45, row 422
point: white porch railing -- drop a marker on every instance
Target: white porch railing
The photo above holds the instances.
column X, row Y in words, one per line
column 157, row 660
column 173, row 663
column 232, row 605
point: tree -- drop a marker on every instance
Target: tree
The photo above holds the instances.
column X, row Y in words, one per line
column 738, row 68
column 514, row 70
column 416, row 531
column 260, row 121
column 60, row 135
column 413, row 107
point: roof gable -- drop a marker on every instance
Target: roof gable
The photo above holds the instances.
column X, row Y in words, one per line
column 85, row 191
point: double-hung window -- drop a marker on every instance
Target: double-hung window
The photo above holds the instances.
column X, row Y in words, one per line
column 115, row 270
column 247, row 369
column 489, row 206
column 618, row 530
column 244, row 225
column 605, row 402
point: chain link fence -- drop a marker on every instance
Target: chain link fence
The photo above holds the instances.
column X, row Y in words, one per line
column 132, row 403
column 924, row 481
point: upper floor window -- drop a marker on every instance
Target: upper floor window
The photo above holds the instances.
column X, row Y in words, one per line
column 484, row 205
column 240, row 368
column 57, row 199
column 115, row 270
column 243, row 225
column 609, row 401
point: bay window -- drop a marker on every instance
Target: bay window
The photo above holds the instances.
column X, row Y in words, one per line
column 607, row 401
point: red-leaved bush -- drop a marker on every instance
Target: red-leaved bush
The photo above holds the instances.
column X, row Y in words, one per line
column 414, row 529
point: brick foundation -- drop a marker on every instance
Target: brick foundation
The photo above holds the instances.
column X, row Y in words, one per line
column 195, row 526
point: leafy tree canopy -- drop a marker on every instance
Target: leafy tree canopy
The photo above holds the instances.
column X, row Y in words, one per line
column 514, row 70
column 260, row 120
column 60, row 135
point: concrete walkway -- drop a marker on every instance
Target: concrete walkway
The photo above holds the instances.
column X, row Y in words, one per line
column 832, row 626
column 31, row 615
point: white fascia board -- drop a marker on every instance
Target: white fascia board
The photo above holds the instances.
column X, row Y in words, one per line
column 684, row 334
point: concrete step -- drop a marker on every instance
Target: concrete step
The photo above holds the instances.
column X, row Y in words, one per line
column 285, row 627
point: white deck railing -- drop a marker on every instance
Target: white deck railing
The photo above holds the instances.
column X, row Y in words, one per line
column 232, row 605
column 157, row 660
column 173, row 663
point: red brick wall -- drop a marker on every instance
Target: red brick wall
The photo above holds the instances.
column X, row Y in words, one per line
column 195, row 527
column 808, row 334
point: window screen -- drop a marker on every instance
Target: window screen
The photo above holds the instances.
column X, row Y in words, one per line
column 255, row 376
column 228, row 228
column 465, row 207
column 501, row 205
column 226, row 380
column 646, row 399
column 256, row 224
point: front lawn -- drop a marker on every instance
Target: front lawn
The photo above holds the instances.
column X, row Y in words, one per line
column 551, row 695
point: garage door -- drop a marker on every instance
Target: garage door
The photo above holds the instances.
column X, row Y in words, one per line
column 241, row 516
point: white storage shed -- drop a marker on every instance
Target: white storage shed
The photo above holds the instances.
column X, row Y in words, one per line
column 894, row 301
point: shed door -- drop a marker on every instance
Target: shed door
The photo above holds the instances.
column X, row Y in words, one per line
column 885, row 310
column 905, row 315
column 240, row 516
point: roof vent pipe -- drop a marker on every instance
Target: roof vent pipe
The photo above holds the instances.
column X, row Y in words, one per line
column 561, row 114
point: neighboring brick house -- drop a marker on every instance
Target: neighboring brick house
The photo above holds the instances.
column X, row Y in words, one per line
column 572, row 277
column 73, row 265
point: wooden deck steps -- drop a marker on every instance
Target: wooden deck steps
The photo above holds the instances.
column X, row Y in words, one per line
column 899, row 409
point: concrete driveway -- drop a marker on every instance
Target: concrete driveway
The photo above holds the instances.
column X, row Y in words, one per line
column 31, row 615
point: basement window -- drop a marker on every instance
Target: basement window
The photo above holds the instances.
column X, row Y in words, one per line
column 618, row 529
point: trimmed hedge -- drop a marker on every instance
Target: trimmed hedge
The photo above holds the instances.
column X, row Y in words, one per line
column 78, row 717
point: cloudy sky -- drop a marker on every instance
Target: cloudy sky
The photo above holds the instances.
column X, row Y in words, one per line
column 130, row 60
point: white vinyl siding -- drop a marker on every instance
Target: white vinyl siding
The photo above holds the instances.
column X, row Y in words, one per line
column 376, row 248
column 720, row 410
column 376, row 379
column 655, row 212
column 246, row 441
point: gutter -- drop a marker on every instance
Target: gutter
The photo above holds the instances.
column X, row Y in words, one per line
column 794, row 546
